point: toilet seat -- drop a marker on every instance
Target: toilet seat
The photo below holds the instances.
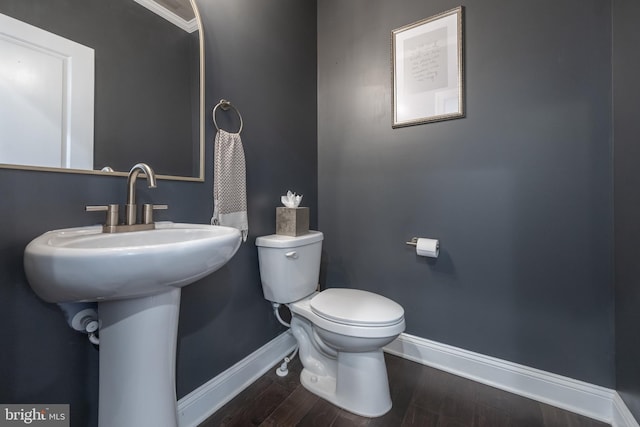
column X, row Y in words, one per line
column 372, row 330
column 356, row 307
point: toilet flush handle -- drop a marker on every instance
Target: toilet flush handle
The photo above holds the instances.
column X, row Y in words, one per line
column 292, row 255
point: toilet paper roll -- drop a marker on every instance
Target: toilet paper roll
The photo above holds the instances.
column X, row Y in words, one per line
column 428, row 247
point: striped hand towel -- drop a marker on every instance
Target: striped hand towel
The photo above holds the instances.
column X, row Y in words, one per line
column 229, row 183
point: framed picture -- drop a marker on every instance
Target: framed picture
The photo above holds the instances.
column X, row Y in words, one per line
column 427, row 70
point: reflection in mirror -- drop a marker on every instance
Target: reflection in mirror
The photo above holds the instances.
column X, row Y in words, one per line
column 93, row 84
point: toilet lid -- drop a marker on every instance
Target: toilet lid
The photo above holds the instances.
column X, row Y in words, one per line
column 356, row 307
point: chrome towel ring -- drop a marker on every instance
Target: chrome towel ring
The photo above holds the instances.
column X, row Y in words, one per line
column 226, row 105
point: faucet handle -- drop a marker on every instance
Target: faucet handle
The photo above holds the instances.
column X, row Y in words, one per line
column 112, row 213
column 147, row 212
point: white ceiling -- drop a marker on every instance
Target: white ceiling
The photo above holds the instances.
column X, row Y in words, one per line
column 182, row 8
column 178, row 12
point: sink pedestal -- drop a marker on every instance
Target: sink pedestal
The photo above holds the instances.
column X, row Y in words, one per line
column 137, row 361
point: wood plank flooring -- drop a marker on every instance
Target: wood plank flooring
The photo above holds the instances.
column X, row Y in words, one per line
column 422, row 396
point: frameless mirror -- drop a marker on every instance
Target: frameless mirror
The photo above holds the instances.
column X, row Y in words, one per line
column 91, row 86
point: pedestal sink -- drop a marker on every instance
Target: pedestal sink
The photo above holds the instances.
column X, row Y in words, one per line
column 136, row 278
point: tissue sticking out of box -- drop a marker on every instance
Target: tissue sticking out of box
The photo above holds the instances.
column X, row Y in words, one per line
column 291, row 200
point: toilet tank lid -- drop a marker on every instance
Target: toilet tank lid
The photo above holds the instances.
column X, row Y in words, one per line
column 282, row 241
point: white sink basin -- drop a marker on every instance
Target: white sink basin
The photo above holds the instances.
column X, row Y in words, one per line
column 84, row 264
column 136, row 278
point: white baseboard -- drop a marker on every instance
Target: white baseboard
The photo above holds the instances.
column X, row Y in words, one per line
column 622, row 416
column 576, row 396
column 201, row 403
column 593, row 401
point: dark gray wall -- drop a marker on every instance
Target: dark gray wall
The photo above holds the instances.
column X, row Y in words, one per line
column 128, row 105
column 263, row 59
column 626, row 90
column 519, row 192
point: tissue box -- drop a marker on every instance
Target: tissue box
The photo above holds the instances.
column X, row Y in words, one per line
column 292, row 221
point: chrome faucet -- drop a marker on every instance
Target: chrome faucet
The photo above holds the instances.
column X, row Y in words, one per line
column 131, row 222
column 131, row 210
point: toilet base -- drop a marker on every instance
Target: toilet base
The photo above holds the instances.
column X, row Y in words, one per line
column 362, row 386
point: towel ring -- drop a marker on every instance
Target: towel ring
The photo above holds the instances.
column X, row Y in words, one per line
column 226, row 105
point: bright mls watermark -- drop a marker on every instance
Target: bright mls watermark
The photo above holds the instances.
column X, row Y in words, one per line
column 34, row 415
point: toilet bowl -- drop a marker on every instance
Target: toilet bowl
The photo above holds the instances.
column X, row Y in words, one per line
column 340, row 332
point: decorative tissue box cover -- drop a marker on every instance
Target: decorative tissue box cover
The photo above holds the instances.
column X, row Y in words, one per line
column 292, row 221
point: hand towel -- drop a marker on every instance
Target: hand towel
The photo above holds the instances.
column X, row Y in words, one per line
column 229, row 183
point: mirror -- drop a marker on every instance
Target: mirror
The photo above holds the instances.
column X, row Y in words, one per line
column 130, row 91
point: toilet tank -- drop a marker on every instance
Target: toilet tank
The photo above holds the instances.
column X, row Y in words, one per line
column 289, row 266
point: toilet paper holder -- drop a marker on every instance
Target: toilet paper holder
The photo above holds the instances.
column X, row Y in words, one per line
column 414, row 242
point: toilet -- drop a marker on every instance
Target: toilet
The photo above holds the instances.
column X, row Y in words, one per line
column 340, row 332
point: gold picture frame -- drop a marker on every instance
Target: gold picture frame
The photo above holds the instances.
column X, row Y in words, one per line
column 427, row 70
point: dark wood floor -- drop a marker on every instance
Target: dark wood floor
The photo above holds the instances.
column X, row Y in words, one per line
column 422, row 396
